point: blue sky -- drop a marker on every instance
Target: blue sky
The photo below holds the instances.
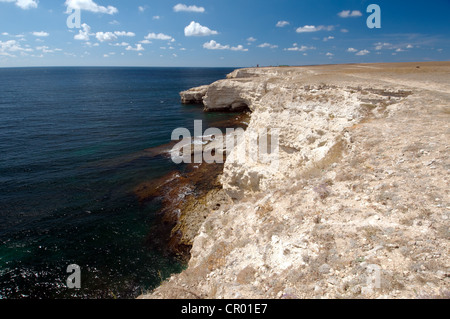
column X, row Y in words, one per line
column 220, row 33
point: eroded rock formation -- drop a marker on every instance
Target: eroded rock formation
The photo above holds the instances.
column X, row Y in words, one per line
column 358, row 204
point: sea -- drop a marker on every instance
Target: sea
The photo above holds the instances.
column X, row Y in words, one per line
column 74, row 143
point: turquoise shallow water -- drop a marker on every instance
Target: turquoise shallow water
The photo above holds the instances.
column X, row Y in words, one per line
column 72, row 142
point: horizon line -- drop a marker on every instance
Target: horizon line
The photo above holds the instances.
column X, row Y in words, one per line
column 209, row 67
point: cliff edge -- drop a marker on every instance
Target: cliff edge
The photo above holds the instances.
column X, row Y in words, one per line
column 358, row 203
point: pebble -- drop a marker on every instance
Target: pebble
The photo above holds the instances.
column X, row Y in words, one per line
column 325, row 269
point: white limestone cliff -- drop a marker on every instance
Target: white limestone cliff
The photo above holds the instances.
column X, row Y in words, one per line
column 358, row 205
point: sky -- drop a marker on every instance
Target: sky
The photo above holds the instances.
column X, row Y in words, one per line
column 221, row 33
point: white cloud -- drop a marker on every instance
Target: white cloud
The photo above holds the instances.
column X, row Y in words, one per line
column 195, row 29
column 40, row 34
column 312, row 28
column 381, row 46
column 145, row 41
column 184, row 8
column 239, row 48
column 124, row 34
column 105, row 36
column 281, row 24
column 251, row 39
column 156, row 17
column 8, row 48
column 159, row 36
column 89, row 5
column 118, row 44
column 112, row 36
column 329, row 54
column 302, row 48
column 138, row 47
column 83, row 35
column 267, row 45
column 350, row 14
column 363, row 52
column 46, row 49
column 344, row 30
column 307, row 28
column 27, row 4
column 24, row 4
column 213, row 45
column 352, row 50
column 142, row 8
column 328, row 38
column 89, row 44
column 389, row 46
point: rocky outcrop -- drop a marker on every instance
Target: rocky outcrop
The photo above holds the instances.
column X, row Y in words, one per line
column 311, row 118
column 226, row 95
column 357, row 205
column 234, row 95
column 194, row 95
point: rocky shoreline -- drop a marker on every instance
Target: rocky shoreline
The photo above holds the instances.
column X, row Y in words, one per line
column 184, row 196
column 358, row 206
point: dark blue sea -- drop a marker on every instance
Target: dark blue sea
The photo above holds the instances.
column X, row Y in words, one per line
column 73, row 145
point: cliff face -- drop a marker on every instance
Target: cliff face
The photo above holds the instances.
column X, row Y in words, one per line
column 353, row 203
column 194, row 95
column 311, row 116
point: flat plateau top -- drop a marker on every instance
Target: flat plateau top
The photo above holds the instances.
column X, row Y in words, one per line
column 432, row 76
column 405, row 67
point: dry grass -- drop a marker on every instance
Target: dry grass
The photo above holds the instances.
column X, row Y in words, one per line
column 334, row 155
column 371, row 233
